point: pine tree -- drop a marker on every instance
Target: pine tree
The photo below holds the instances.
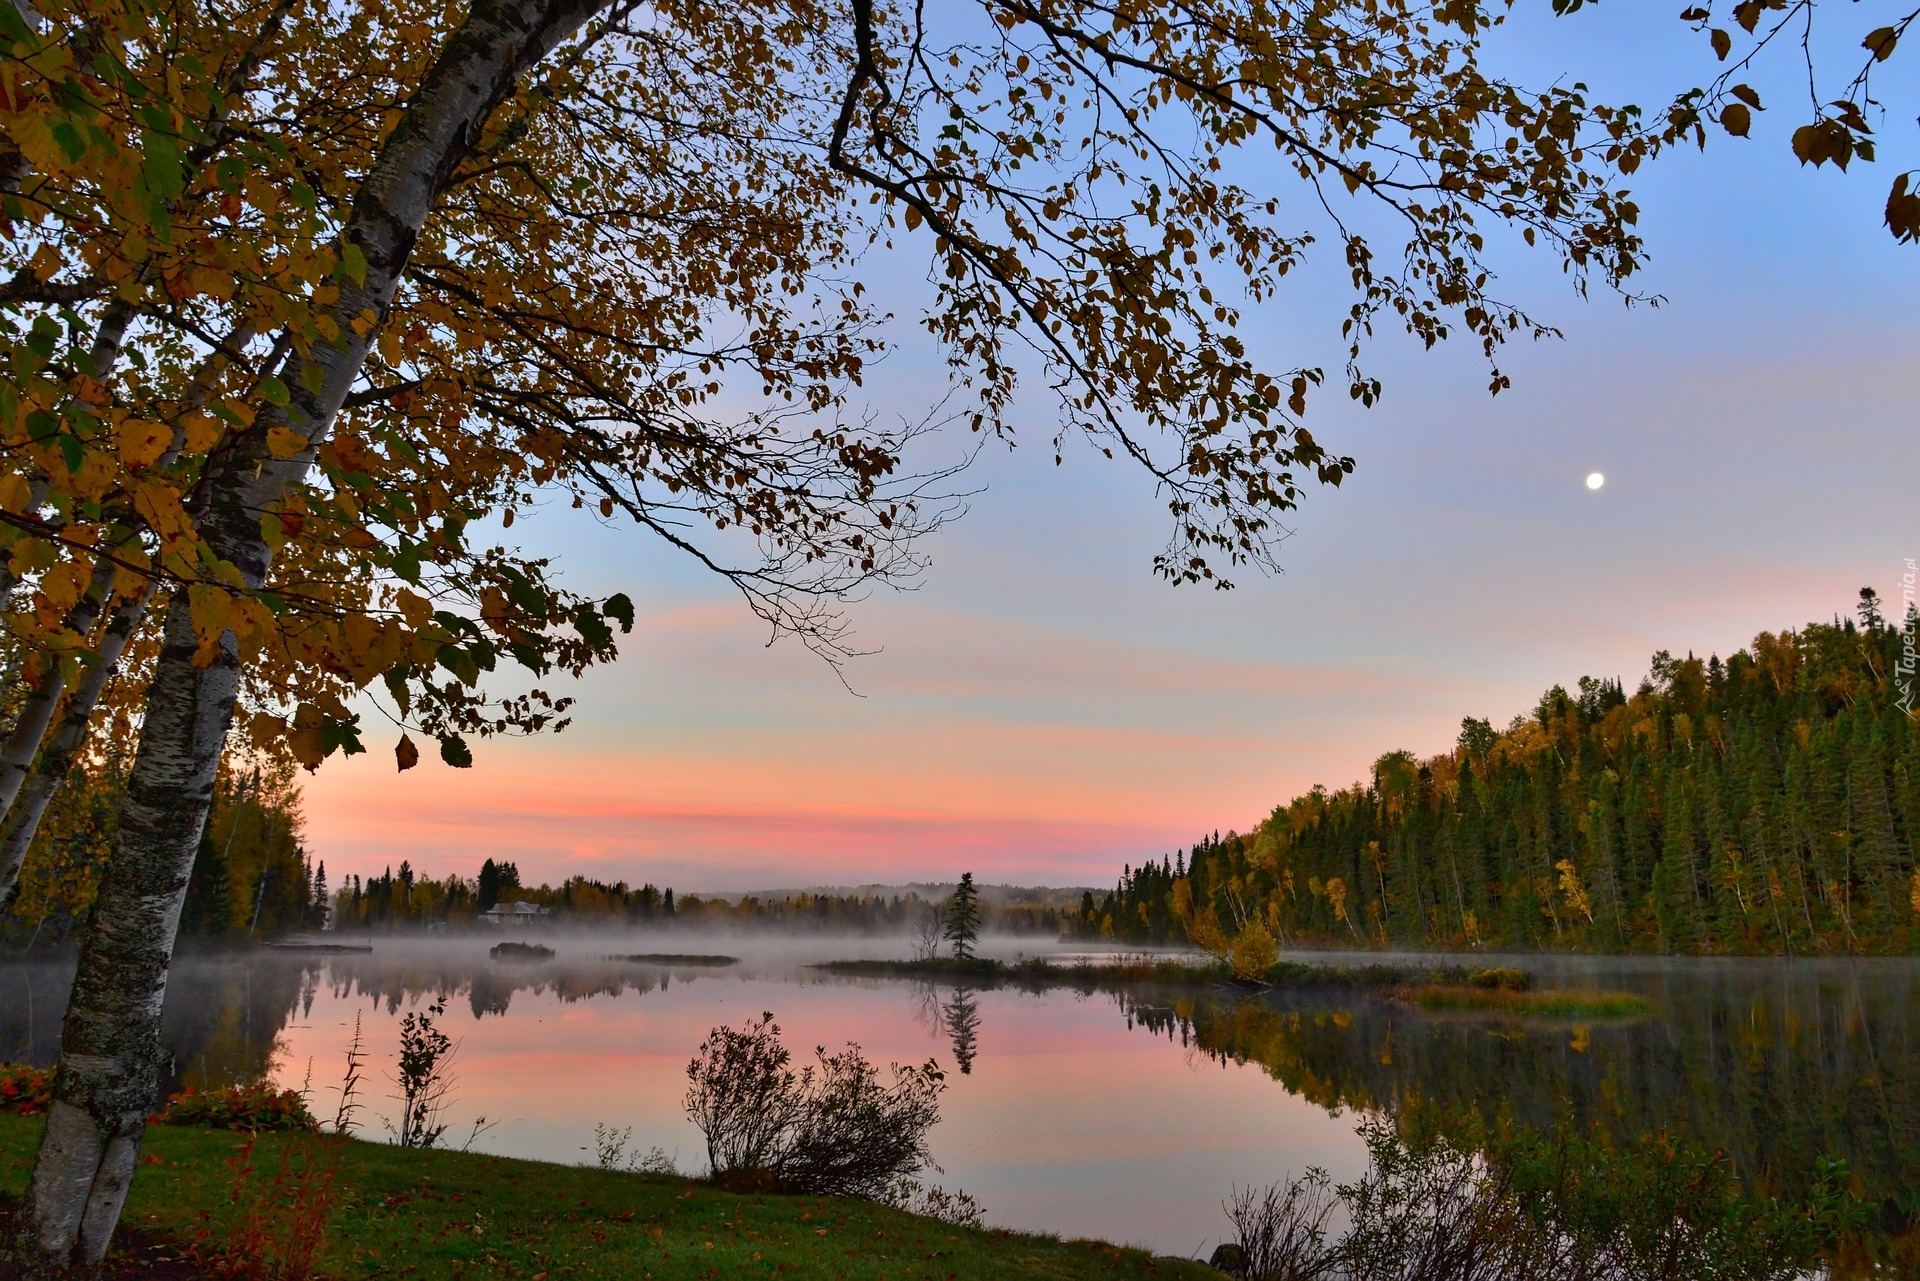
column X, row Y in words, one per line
column 963, row 917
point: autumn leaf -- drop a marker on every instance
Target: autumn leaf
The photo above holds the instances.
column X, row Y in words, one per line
column 406, row 754
column 284, row 442
column 141, row 441
column 1903, row 209
column 454, row 751
column 1736, row 119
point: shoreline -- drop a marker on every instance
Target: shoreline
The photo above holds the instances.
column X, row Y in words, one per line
column 388, row 1211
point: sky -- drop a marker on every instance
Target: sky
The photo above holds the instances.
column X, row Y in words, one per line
column 1041, row 710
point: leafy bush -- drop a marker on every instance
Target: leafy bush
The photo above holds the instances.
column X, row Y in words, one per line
column 931, row 1202
column 830, row 1129
column 511, row 951
column 1534, row 1208
column 24, row 1088
column 281, row 1220
column 425, row 1081
column 239, row 1107
column 1502, row 977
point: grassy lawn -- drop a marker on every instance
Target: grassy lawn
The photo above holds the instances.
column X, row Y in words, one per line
column 450, row 1214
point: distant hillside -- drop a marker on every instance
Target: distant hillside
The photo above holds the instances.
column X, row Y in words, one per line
column 1767, row 803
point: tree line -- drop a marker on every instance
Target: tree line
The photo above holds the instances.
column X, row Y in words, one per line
column 1765, row 803
column 406, row 898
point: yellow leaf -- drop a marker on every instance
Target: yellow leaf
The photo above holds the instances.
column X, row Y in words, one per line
column 284, row 442
column 212, row 610
column 142, row 441
column 416, row 609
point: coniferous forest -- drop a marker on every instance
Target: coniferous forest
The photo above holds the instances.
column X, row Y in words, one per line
column 1764, row 803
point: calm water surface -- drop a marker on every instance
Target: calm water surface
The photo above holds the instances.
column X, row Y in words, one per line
column 1127, row 1117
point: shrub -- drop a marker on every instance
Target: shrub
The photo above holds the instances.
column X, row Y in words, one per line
column 930, row 1202
column 280, row 1222
column 1501, row 977
column 1280, row 1232
column 520, row 952
column 1534, row 1208
column 830, row 1129
column 239, row 1107
column 24, row 1088
column 425, row 1082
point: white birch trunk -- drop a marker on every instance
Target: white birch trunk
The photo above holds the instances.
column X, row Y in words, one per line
column 69, row 736
column 110, row 1057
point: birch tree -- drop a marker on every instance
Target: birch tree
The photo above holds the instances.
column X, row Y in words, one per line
column 301, row 295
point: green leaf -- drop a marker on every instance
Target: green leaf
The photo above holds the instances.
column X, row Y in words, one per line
column 274, row 392
column 459, row 662
column 73, row 450
column 72, row 145
column 355, row 262
column 160, row 165
column 592, row 629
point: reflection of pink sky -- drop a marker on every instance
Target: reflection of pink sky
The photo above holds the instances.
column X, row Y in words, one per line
column 1070, row 1122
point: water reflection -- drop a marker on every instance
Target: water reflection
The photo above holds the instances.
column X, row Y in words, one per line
column 1778, row 1064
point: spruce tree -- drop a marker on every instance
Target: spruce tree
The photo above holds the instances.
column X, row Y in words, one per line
column 963, row 918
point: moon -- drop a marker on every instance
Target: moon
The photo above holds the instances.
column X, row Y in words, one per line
column 1595, row 480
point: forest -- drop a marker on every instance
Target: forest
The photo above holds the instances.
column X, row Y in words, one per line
column 252, row 877
column 1768, row 803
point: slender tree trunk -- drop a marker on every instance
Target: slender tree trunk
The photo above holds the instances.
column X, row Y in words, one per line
column 30, row 730
column 69, row 735
column 110, row 1055
column 110, row 1050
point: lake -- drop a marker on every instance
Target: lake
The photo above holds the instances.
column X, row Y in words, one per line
column 1126, row 1116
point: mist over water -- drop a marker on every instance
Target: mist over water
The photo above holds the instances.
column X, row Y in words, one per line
column 1124, row 1115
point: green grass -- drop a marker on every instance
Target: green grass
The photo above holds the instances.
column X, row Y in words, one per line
column 1551, row 1002
column 454, row 1215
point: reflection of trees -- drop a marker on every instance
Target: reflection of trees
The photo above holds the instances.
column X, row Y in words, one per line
column 225, row 1011
column 961, row 1019
column 1777, row 1070
column 954, row 1019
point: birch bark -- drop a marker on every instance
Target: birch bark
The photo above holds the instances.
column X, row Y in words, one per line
column 110, row 1057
